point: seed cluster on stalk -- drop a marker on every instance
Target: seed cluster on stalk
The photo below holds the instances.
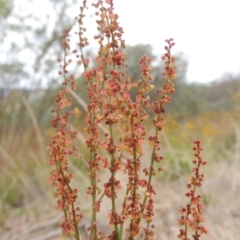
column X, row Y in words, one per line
column 115, row 133
column 192, row 214
column 61, row 148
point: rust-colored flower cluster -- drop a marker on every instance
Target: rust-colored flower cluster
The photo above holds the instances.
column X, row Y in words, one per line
column 192, row 214
column 61, row 147
column 111, row 109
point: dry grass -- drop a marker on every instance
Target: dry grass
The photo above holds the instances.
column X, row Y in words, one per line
column 39, row 220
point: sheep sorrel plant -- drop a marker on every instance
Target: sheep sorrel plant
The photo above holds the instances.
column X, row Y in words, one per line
column 192, row 213
column 115, row 135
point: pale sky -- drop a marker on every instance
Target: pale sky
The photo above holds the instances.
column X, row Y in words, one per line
column 207, row 31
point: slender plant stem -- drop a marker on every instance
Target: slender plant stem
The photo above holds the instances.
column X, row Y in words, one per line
column 113, row 172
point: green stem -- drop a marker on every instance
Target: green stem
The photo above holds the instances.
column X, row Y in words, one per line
column 94, row 214
column 149, row 177
column 135, row 175
column 124, row 204
column 146, row 237
column 113, row 172
column 93, row 184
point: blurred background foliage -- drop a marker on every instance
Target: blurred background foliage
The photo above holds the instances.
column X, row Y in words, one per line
column 30, row 46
